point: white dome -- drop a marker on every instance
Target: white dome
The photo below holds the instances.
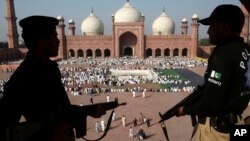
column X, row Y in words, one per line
column 195, row 16
column 71, row 21
column 60, row 17
column 184, row 20
column 163, row 25
column 128, row 13
column 92, row 25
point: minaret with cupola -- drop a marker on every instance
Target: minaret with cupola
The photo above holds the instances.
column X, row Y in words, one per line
column 184, row 26
column 194, row 36
column 71, row 27
column 62, row 53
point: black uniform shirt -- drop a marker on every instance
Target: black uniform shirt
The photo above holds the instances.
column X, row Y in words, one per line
column 34, row 90
column 225, row 87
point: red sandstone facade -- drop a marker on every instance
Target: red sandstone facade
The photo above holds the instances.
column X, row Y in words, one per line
column 128, row 39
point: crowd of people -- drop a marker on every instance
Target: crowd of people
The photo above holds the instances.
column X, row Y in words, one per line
column 93, row 76
column 163, row 63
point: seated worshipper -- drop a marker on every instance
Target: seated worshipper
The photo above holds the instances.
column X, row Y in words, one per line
column 35, row 90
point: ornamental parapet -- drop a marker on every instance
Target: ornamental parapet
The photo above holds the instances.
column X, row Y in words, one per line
column 89, row 37
column 168, row 36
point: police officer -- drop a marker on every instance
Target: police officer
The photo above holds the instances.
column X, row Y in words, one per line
column 225, row 90
column 35, row 90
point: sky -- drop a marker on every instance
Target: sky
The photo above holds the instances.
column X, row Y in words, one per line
column 78, row 10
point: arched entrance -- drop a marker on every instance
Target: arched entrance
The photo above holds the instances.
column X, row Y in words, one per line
column 128, row 42
column 184, row 52
column 158, row 52
column 176, row 52
column 89, row 53
column 71, row 53
column 106, row 53
column 128, row 51
column 167, row 52
column 98, row 53
column 149, row 52
column 80, row 53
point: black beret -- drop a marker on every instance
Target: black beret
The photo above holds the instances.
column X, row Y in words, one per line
column 38, row 23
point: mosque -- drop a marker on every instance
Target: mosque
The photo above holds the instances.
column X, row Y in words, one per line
column 128, row 36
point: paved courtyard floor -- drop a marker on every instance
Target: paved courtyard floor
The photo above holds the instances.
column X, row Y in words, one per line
column 179, row 129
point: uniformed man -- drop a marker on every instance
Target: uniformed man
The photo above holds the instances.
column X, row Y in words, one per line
column 35, row 89
column 225, row 91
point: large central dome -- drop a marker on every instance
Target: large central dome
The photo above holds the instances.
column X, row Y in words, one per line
column 128, row 13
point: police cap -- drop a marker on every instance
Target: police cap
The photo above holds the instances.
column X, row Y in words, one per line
column 38, row 24
column 229, row 13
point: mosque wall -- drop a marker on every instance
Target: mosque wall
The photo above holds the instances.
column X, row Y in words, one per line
column 89, row 44
column 169, row 42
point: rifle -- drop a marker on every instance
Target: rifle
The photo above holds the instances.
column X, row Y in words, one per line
column 187, row 101
column 26, row 130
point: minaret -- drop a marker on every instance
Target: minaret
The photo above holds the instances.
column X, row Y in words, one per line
column 71, row 27
column 194, row 36
column 12, row 35
column 184, row 26
column 62, row 53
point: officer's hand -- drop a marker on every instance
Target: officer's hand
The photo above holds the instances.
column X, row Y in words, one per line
column 179, row 111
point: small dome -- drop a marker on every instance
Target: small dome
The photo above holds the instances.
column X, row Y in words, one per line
column 184, row 20
column 195, row 16
column 128, row 13
column 92, row 25
column 71, row 21
column 60, row 17
column 163, row 25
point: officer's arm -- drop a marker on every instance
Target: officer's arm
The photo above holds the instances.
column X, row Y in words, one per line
column 217, row 78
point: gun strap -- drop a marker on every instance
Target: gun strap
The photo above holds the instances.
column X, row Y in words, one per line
column 164, row 129
column 106, row 130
